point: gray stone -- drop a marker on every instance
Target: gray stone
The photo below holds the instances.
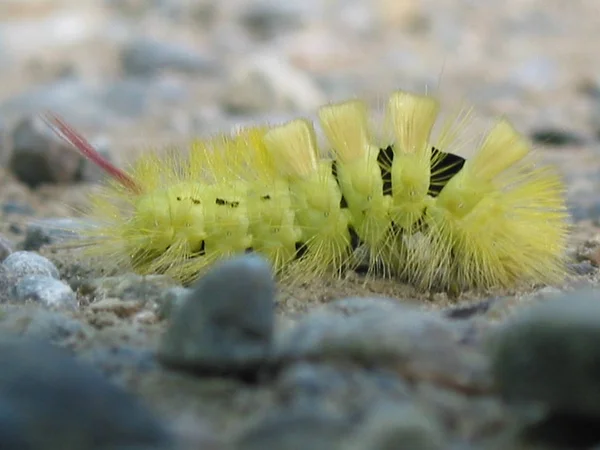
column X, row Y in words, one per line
column 50, row 231
column 170, row 300
column 17, row 208
column 48, row 400
column 130, row 286
column 266, row 19
column 6, row 247
column 66, row 97
column 145, row 56
column 39, row 156
column 264, row 83
column 46, row 290
column 346, row 388
column 23, row 263
column 356, row 305
column 226, row 322
column 89, row 171
column 393, row 426
column 41, row 324
column 298, row 429
column 538, row 73
column 418, row 344
column 549, row 355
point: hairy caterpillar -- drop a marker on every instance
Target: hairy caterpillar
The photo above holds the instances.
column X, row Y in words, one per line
column 400, row 201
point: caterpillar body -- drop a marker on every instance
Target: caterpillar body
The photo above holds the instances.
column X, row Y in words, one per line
column 400, row 204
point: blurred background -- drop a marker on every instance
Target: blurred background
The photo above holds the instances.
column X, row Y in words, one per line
column 135, row 73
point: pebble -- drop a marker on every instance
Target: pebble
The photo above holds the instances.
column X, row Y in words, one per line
column 88, row 171
column 39, row 156
column 266, row 19
column 72, row 98
column 346, row 388
column 41, row 324
column 393, row 426
column 6, row 247
column 18, row 208
column 226, row 322
column 546, row 360
column 418, row 344
column 265, row 83
column 556, row 137
column 45, row 290
column 95, row 105
column 147, row 57
column 23, row 263
column 170, row 300
column 539, row 73
column 48, row 400
column 146, row 289
column 299, row 429
column 355, row 305
column 115, row 361
column 48, row 231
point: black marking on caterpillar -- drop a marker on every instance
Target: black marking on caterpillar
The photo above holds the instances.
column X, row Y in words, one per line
column 334, row 172
column 223, row 202
column 443, row 167
column 195, row 201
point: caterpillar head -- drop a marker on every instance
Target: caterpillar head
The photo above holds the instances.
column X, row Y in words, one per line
column 175, row 214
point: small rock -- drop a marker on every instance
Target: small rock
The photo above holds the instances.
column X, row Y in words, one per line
column 48, row 400
column 170, row 301
column 584, row 268
column 114, row 361
column 470, row 310
column 18, row 208
column 265, row 19
column 418, row 344
column 88, row 171
column 547, row 358
column 356, row 305
column 41, row 324
column 39, row 156
column 538, row 73
column 266, row 83
column 45, row 290
column 399, row 427
column 556, row 137
column 226, row 322
column 120, row 308
column 299, row 429
column 6, row 248
column 51, row 231
column 145, row 56
column 23, row 263
column 129, row 287
column 347, row 388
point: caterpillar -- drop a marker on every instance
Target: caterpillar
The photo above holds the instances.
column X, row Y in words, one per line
column 391, row 201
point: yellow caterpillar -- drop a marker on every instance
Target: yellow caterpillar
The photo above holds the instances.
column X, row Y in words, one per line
column 398, row 201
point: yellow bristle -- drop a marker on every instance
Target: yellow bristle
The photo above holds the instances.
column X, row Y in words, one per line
column 502, row 148
column 411, row 118
column 346, row 126
column 293, row 147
